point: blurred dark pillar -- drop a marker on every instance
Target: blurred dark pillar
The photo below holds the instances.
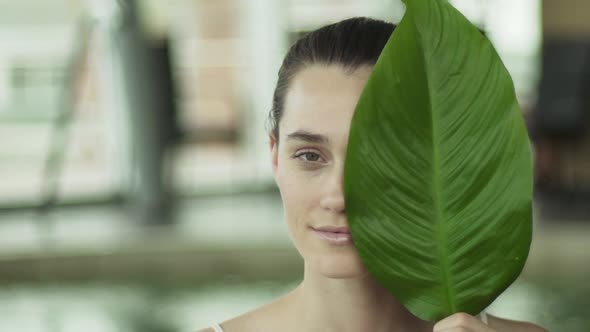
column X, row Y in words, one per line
column 561, row 120
column 150, row 103
column 562, row 112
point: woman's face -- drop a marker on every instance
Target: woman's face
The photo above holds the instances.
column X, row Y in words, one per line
column 308, row 165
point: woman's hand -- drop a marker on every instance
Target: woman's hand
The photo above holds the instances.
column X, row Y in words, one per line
column 461, row 322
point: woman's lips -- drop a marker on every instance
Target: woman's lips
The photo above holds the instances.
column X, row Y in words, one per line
column 334, row 235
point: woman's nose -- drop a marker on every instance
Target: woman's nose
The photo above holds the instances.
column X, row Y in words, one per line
column 333, row 197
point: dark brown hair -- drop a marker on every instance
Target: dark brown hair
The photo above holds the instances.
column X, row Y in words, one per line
column 350, row 43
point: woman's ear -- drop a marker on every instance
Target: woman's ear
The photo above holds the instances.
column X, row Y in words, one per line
column 274, row 153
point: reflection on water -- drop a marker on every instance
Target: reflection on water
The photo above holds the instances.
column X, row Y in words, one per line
column 154, row 308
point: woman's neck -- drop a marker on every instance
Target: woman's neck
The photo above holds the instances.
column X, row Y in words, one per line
column 349, row 305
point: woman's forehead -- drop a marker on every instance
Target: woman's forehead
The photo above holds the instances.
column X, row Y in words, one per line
column 322, row 99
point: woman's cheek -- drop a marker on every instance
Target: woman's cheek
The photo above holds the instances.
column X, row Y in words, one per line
column 300, row 195
column 296, row 192
column 290, row 187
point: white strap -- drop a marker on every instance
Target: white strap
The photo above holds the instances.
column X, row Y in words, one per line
column 484, row 317
column 217, row 328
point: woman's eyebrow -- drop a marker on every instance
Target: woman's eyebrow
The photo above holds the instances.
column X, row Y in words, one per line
column 304, row 135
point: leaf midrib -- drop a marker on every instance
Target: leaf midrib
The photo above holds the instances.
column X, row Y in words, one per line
column 436, row 187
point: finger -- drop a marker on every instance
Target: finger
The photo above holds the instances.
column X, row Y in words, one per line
column 456, row 329
column 457, row 320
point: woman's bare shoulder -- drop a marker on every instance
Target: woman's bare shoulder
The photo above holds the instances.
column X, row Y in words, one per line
column 264, row 318
column 502, row 324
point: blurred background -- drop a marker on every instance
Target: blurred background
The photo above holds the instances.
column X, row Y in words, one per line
column 135, row 185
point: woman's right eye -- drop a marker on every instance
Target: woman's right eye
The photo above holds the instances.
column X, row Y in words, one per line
column 308, row 156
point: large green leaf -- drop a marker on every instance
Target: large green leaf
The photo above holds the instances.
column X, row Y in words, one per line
column 438, row 176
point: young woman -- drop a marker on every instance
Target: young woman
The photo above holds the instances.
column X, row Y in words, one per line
column 319, row 84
